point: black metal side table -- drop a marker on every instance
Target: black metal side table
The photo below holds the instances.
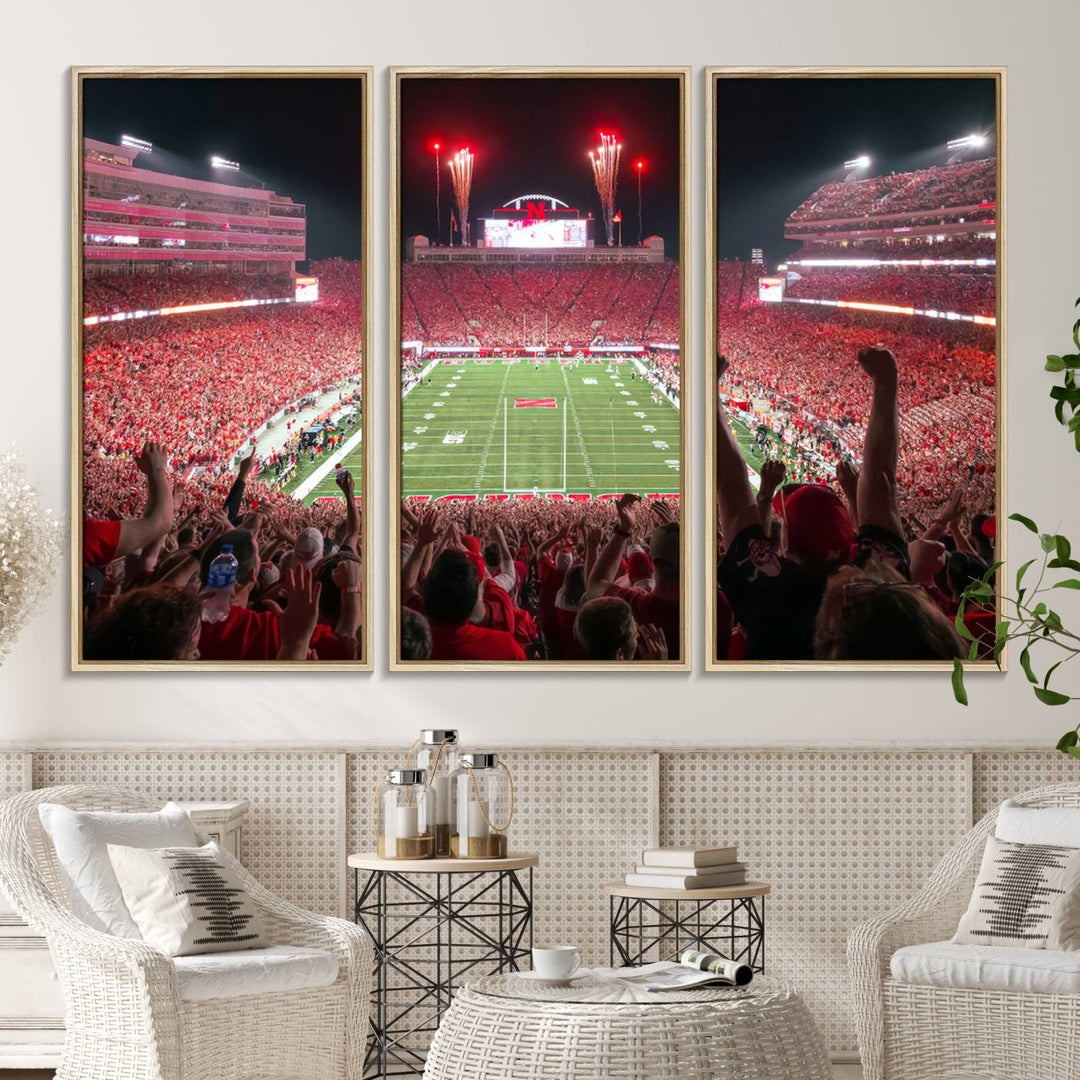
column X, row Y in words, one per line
column 659, row 924
column 433, row 922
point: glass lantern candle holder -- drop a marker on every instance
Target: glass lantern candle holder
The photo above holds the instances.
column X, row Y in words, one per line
column 405, row 816
column 437, row 754
column 485, row 808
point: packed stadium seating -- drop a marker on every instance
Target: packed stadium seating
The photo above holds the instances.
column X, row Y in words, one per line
column 576, row 304
column 104, row 294
column 968, row 293
column 924, row 190
column 201, row 384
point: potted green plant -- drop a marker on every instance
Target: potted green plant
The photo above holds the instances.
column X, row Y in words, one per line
column 1026, row 615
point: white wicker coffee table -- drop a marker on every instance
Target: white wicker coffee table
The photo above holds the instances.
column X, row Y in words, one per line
column 502, row 1027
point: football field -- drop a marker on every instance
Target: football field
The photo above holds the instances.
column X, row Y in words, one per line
column 492, row 428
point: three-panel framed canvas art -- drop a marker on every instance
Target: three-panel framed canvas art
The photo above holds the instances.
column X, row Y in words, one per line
column 540, row 370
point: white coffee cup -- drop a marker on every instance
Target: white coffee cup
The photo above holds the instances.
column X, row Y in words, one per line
column 556, row 961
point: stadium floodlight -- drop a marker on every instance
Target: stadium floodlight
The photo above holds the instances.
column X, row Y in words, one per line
column 217, row 162
column 132, row 143
column 861, row 162
column 976, row 139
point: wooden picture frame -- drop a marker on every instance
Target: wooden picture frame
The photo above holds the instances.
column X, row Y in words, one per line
column 681, row 122
column 714, row 77
column 360, row 456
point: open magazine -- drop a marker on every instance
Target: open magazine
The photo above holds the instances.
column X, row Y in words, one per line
column 693, row 969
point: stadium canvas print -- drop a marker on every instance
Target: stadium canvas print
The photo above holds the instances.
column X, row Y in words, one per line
column 538, row 323
column 220, row 345
column 856, row 420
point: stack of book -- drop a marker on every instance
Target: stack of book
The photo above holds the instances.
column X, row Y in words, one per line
column 695, row 867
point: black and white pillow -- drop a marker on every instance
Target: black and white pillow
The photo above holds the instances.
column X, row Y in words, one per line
column 1026, row 896
column 186, row 900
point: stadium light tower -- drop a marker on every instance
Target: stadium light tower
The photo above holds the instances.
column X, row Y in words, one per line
column 958, row 147
column 133, row 143
column 217, row 162
column 639, row 165
column 856, row 166
column 436, row 147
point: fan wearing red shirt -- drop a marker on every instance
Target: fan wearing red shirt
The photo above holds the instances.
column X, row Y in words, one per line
column 243, row 634
column 453, row 596
column 104, row 541
column 659, row 606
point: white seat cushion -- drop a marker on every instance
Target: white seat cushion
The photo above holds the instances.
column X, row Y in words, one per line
column 988, row 967
column 253, row 971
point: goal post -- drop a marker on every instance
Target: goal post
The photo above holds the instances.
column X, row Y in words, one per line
column 539, row 451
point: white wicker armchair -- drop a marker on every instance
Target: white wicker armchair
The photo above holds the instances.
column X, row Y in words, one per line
column 909, row 1032
column 124, row 1016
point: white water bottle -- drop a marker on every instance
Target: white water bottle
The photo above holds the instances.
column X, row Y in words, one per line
column 220, row 580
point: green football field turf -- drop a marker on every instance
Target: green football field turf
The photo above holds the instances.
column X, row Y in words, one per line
column 614, row 452
column 463, row 435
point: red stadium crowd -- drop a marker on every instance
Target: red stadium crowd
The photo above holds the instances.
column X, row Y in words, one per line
column 965, row 184
column 537, row 579
column 223, row 373
column 104, row 294
column 968, row 293
column 154, row 519
column 148, row 589
column 505, row 306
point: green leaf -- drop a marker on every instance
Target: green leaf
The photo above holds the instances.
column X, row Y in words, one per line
column 1048, row 541
column 1025, row 521
column 958, row 682
column 961, row 628
column 1063, row 564
column 1022, row 571
column 1051, row 697
column 1025, row 663
column 973, row 652
column 1055, row 363
column 1073, row 751
column 1070, row 738
column 1064, row 548
column 1068, row 583
column 1050, row 671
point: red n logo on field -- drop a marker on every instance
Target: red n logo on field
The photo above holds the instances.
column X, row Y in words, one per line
column 535, row 210
column 534, row 403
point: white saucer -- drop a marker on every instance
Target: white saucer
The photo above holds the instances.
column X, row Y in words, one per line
column 536, row 977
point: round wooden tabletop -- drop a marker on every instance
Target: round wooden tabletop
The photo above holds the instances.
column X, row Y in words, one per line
column 516, row 860
column 721, row 892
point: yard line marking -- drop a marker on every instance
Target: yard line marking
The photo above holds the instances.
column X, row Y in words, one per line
column 491, row 431
column 572, row 408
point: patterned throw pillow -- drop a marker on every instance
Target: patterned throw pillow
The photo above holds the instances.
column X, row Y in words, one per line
column 186, row 900
column 1026, row 895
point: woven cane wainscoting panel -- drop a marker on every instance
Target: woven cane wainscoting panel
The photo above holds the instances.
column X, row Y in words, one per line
column 14, row 773
column 290, row 839
column 997, row 776
column 841, row 836
column 588, row 815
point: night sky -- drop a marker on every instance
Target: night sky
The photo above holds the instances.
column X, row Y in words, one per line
column 778, row 139
column 532, row 135
column 301, row 137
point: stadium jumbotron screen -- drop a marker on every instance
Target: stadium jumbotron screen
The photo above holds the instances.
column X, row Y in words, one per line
column 535, row 232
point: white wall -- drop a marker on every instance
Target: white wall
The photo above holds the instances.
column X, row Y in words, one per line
column 39, row 698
